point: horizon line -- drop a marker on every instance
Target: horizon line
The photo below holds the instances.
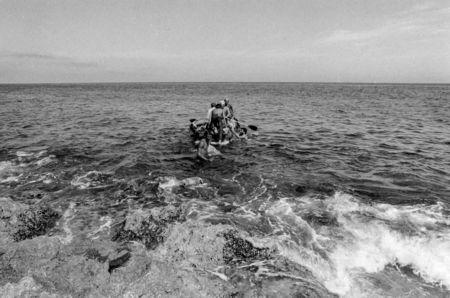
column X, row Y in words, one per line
column 220, row 82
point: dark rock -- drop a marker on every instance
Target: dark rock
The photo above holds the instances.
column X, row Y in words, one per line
column 237, row 250
column 147, row 226
column 320, row 217
column 94, row 254
column 34, row 221
column 227, row 207
column 118, row 260
column 301, row 189
column 325, row 188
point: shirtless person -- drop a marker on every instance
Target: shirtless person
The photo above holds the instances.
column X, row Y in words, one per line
column 202, row 149
column 205, row 150
column 217, row 120
column 208, row 116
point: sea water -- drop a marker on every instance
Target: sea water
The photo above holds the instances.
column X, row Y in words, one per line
column 351, row 181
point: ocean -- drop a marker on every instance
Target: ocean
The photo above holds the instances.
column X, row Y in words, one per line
column 351, row 182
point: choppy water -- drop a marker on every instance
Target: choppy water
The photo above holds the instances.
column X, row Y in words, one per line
column 350, row 180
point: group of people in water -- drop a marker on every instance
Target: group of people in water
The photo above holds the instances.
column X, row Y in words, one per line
column 220, row 127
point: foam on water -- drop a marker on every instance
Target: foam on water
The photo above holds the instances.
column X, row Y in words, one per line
column 9, row 172
column 91, row 179
column 68, row 215
column 13, row 170
column 365, row 240
column 106, row 224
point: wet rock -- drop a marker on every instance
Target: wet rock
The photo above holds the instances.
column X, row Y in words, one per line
column 34, row 221
column 227, row 207
column 147, row 226
column 229, row 189
column 191, row 181
column 320, row 217
column 167, row 183
column 238, row 250
column 32, row 195
column 301, row 189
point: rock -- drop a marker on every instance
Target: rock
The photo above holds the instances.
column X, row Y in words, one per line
column 26, row 287
column 192, row 243
column 94, row 254
column 21, row 222
column 192, row 181
column 148, row 226
column 321, row 217
column 167, row 183
column 8, row 208
column 238, row 250
column 300, row 189
column 34, row 221
column 8, row 274
column 195, row 260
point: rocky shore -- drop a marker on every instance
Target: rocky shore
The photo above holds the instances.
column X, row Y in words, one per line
column 153, row 252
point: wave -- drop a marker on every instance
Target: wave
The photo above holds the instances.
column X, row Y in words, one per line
column 13, row 170
column 341, row 239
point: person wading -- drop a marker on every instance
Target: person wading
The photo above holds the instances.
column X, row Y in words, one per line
column 217, row 120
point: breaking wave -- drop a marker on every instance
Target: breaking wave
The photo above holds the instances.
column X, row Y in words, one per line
column 343, row 239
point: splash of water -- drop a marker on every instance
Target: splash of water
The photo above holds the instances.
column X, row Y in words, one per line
column 364, row 240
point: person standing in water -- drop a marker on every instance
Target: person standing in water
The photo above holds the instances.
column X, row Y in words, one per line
column 217, row 120
column 205, row 151
column 229, row 107
column 202, row 149
column 208, row 116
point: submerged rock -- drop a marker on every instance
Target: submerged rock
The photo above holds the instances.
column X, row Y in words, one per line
column 320, row 217
column 147, row 226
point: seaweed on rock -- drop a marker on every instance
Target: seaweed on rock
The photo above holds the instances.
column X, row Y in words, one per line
column 34, row 221
column 238, row 250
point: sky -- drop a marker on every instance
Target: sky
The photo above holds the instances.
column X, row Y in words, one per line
column 391, row 41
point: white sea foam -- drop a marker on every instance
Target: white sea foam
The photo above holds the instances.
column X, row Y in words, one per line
column 168, row 183
column 68, row 215
column 45, row 161
column 107, row 221
column 9, row 172
column 90, row 179
column 365, row 240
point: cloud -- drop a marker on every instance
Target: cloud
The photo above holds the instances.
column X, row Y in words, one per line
column 27, row 57
column 420, row 20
